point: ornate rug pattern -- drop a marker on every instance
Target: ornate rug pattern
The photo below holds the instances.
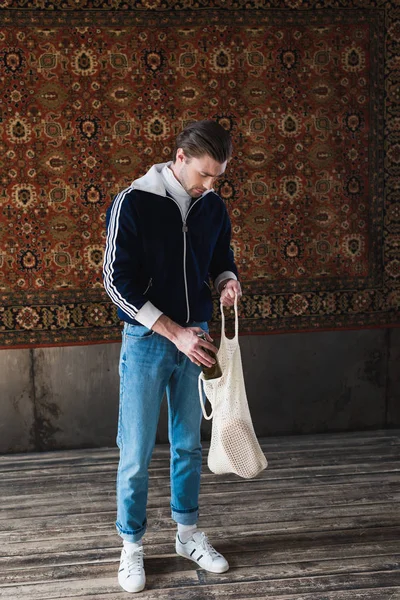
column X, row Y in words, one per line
column 92, row 97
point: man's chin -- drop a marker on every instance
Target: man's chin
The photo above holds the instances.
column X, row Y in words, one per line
column 196, row 193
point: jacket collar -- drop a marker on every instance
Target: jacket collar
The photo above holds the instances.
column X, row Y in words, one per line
column 152, row 181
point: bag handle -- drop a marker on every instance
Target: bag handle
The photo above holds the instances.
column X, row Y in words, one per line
column 223, row 334
column 203, row 408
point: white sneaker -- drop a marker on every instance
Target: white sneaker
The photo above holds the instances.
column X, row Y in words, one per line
column 199, row 549
column 131, row 575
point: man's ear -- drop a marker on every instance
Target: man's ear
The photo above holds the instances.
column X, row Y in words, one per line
column 180, row 156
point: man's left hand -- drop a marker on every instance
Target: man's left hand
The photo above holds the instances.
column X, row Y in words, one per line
column 230, row 288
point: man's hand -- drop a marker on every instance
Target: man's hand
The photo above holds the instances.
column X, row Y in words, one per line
column 192, row 345
column 229, row 289
column 186, row 339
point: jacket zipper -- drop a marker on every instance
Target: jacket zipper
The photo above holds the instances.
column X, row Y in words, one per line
column 184, row 231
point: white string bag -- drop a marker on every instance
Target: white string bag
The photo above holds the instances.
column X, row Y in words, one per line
column 234, row 446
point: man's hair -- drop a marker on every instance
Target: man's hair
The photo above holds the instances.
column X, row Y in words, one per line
column 205, row 137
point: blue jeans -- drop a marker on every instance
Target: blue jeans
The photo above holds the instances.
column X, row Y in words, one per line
column 149, row 366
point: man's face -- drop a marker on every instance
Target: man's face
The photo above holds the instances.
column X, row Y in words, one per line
column 197, row 175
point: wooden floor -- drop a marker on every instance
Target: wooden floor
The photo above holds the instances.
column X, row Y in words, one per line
column 321, row 523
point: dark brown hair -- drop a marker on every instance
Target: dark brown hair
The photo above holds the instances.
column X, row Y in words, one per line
column 205, row 137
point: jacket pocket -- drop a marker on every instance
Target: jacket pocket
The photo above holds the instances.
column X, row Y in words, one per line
column 137, row 332
column 150, row 283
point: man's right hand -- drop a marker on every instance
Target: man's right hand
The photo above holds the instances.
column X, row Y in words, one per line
column 192, row 345
column 186, row 339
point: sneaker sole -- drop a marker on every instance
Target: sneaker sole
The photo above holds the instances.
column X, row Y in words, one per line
column 195, row 561
column 137, row 589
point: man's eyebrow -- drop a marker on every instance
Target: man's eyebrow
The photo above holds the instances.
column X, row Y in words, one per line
column 209, row 174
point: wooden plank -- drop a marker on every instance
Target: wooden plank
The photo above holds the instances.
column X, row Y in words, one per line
column 241, row 570
column 313, row 559
column 177, row 585
column 43, row 465
column 327, row 439
column 90, row 461
column 206, row 593
column 319, row 516
column 99, row 458
column 358, row 441
column 161, row 530
column 220, row 487
column 162, row 543
column 310, row 473
column 257, row 500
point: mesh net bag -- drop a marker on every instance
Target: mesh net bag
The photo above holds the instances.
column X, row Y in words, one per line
column 234, row 446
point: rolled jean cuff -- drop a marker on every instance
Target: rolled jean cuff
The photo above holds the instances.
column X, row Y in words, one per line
column 185, row 517
column 131, row 536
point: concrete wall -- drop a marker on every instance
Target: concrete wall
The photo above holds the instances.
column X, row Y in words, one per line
column 67, row 397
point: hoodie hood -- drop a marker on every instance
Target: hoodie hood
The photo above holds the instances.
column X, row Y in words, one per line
column 152, row 181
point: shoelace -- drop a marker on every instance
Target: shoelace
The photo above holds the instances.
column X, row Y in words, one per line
column 207, row 547
column 134, row 562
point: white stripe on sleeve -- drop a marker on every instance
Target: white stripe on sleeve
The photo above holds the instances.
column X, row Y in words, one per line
column 109, row 257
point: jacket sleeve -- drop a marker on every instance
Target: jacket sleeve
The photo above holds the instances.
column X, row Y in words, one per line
column 222, row 262
column 122, row 272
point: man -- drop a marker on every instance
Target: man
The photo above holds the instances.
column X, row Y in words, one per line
column 167, row 234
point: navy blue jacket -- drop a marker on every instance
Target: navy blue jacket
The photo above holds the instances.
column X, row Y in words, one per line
column 158, row 262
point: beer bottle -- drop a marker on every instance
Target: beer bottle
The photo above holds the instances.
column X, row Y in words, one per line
column 214, row 371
